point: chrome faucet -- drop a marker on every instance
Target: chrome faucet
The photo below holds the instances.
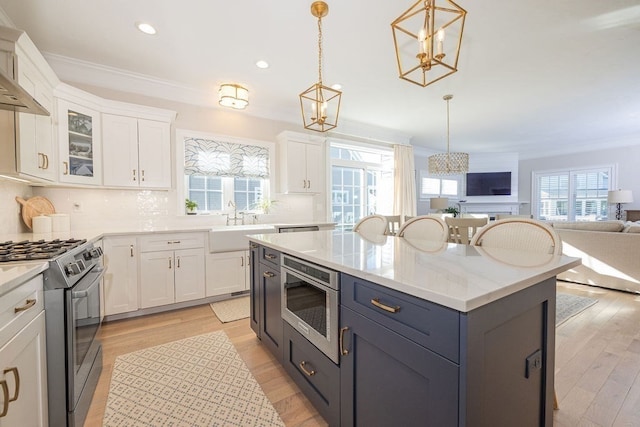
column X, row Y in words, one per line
column 235, row 216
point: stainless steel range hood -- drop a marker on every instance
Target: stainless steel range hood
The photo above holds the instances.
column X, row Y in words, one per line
column 15, row 98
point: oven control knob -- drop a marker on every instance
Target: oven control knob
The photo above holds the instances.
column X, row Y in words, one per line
column 96, row 252
column 87, row 256
column 72, row 269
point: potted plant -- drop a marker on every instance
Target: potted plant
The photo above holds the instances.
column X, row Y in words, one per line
column 452, row 210
column 191, row 206
column 265, row 205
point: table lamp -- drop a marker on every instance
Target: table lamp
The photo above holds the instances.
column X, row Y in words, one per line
column 618, row 197
column 439, row 203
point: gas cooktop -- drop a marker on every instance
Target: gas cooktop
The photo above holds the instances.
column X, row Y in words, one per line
column 36, row 250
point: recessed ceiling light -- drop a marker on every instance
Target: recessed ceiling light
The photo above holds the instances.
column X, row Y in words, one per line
column 146, row 28
column 336, row 86
column 262, row 64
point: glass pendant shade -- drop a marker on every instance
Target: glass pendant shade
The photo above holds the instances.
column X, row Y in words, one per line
column 427, row 39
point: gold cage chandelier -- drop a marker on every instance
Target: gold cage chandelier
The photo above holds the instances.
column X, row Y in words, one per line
column 320, row 104
column 448, row 163
column 423, row 52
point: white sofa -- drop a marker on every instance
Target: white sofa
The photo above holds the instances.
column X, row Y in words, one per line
column 610, row 252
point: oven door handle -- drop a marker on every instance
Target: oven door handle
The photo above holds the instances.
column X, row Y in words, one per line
column 84, row 292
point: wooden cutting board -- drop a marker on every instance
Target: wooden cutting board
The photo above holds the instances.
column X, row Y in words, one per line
column 33, row 207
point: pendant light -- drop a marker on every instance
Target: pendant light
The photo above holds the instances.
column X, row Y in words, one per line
column 448, row 163
column 320, row 104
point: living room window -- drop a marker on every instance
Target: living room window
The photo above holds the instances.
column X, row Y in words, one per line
column 361, row 183
column 572, row 195
column 432, row 186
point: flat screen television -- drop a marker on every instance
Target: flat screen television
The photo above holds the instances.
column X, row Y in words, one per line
column 489, row 184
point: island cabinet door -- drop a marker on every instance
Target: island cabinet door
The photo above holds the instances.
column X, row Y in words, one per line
column 270, row 313
column 389, row 380
column 254, row 288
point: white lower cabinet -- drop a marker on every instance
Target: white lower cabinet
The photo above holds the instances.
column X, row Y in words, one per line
column 121, row 278
column 176, row 274
column 23, row 365
column 227, row 272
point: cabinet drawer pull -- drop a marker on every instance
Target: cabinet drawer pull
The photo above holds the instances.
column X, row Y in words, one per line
column 134, row 174
column 305, row 370
column 268, row 274
column 16, row 375
column 29, row 303
column 343, row 350
column 270, row 256
column 46, row 162
column 388, row 308
column 242, row 261
column 142, row 175
column 66, row 168
column 178, row 262
column 5, row 398
column 169, row 263
column 131, row 248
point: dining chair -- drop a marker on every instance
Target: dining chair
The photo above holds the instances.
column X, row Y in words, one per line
column 523, row 234
column 461, row 230
column 424, row 227
column 393, row 224
column 371, row 225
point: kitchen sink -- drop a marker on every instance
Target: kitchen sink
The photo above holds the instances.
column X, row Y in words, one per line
column 234, row 238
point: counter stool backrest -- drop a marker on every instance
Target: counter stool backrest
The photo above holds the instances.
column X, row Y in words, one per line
column 519, row 234
column 371, row 225
column 462, row 229
column 425, row 227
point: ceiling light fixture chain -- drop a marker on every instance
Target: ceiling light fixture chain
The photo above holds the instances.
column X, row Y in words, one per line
column 320, row 104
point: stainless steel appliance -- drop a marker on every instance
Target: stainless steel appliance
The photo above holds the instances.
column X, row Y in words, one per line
column 73, row 318
column 295, row 228
column 310, row 303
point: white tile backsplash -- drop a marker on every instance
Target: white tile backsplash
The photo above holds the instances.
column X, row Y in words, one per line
column 147, row 210
column 10, row 217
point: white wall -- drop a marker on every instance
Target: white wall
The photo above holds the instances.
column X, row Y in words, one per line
column 626, row 160
column 10, row 217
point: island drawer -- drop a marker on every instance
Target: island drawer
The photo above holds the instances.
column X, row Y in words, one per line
column 316, row 375
column 430, row 325
column 270, row 256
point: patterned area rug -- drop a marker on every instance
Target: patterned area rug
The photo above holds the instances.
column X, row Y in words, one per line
column 568, row 305
column 198, row 381
column 231, row 309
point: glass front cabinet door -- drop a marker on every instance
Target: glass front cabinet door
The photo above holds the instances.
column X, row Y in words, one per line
column 80, row 144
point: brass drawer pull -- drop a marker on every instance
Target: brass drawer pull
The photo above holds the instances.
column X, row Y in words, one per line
column 343, row 350
column 270, row 256
column 5, row 398
column 16, row 375
column 305, row 370
column 30, row 303
column 268, row 274
column 384, row 307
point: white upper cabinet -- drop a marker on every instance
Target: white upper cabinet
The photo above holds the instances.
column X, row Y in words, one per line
column 302, row 163
column 136, row 152
column 79, row 139
column 27, row 143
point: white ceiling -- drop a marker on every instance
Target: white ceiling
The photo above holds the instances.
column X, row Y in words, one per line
column 535, row 77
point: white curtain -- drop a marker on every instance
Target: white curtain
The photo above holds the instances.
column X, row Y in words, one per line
column 404, row 181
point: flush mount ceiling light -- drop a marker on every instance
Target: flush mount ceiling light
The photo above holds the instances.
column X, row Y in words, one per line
column 146, row 28
column 320, row 104
column 448, row 163
column 262, row 64
column 234, row 96
column 424, row 55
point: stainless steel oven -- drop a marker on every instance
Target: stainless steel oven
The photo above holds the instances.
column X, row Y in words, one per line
column 310, row 303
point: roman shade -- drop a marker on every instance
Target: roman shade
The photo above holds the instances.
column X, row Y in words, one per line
column 226, row 159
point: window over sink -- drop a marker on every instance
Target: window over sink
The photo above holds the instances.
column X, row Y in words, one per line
column 223, row 171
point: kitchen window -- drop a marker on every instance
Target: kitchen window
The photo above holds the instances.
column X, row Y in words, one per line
column 572, row 195
column 218, row 171
column 361, row 183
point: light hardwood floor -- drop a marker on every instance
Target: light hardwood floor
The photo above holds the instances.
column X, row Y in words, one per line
column 597, row 360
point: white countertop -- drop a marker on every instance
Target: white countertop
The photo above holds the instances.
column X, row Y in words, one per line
column 15, row 274
column 456, row 276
